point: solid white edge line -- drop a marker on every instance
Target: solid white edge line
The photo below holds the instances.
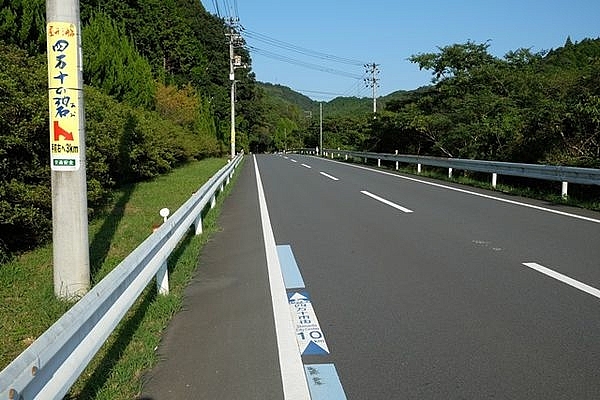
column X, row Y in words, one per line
column 564, row 279
column 293, row 377
column 486, row 196
column 333, row 178
column 389, row 203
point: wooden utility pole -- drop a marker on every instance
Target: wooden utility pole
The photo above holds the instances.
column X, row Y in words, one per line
column 67, row 150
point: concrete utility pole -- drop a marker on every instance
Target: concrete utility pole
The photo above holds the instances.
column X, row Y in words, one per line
column 235, row 39
column 371, row 82
column 321, row 128
column 67, row 150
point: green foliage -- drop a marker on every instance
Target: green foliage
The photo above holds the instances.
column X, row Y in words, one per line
column 526, row 107
column 114, row 65
column 124, row 144
column 23, row 23
column 24, row 151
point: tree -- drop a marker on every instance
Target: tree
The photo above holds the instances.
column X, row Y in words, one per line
column 456, row 60
column 112, row 63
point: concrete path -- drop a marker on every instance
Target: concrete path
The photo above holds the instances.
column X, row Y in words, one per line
column 223, row 344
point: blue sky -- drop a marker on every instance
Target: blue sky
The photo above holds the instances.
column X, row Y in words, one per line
column 387, row 32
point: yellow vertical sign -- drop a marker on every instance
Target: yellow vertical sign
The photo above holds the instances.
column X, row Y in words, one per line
column 63, row 87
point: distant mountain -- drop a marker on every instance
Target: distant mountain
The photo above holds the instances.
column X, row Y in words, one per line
column 338, row 107
column 284, row 93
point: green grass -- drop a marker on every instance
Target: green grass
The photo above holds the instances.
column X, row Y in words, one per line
column 28, row 306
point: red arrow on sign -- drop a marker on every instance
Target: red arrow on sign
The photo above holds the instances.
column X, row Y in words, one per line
column 58, row 132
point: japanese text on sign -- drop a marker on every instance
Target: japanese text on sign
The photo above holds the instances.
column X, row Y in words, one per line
column 63, row 84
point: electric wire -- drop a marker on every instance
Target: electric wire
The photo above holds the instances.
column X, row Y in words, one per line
column 301, row 50
column 294, row 61
column 275, row 49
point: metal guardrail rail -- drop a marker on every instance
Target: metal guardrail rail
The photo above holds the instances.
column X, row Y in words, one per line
column 50, row 366
column 586, row 176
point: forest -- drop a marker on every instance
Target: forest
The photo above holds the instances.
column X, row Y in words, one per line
column 157, row 96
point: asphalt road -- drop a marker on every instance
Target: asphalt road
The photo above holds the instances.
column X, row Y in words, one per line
column 422, row 290
column 437, row 303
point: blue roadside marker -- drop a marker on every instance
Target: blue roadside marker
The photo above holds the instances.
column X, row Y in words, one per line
column 289, row 269
column 323, row 382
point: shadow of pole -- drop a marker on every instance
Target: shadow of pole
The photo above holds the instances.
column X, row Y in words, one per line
column 100, row 245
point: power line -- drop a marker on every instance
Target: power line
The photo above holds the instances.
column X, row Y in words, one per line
column 231, row 7
column 301, row 50
column 216, row 5
column 294, row 61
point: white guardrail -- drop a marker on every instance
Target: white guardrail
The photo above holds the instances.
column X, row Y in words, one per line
column 586, row 176
column 50, row 366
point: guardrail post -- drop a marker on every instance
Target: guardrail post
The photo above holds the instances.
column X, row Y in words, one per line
column 449, row 172
column 565, row 186
column 494, row 180
column 418, row 168
column 162, row 279
column 198, row 224
column 213, row 201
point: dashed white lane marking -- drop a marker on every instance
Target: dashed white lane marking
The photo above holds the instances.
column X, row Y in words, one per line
column 292, row 160
column 306, row 166
column 564, row 279
column 384, row 201
column 485, row 196
column 333, row 178
column 293, row 377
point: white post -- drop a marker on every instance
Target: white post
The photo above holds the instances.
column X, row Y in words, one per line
column 565, row 186
column 378, row 162
column 162, row 279
column 449, row 172
column 198, row 224
column 418, row 168
column 494, row 180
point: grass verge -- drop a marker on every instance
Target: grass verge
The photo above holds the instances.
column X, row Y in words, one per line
column 28, row 305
